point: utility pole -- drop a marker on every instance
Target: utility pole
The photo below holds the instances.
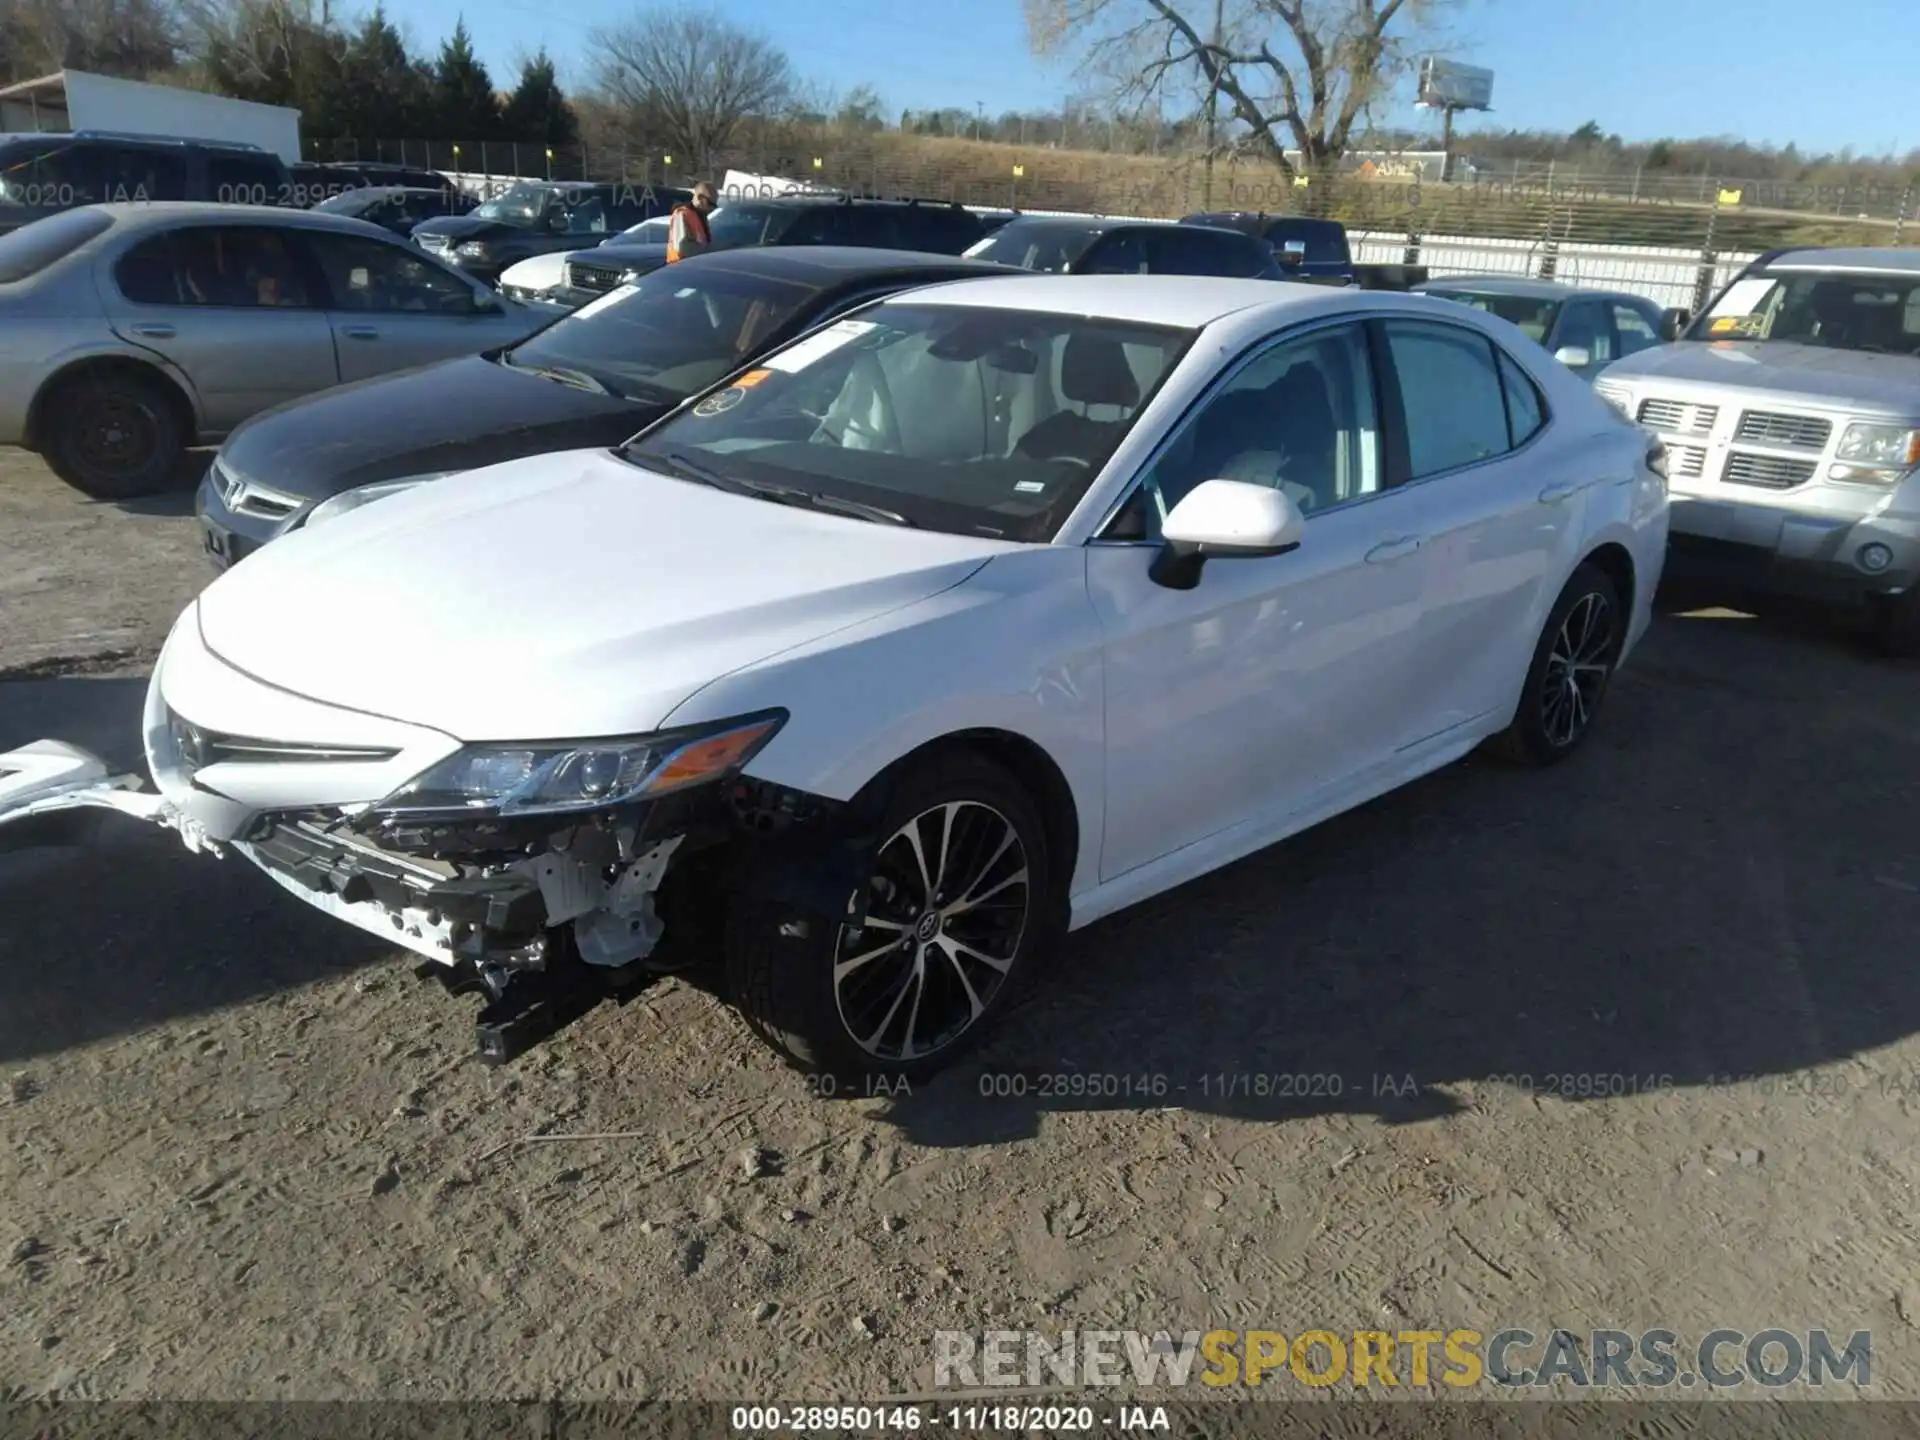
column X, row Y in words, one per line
column 1213, row 96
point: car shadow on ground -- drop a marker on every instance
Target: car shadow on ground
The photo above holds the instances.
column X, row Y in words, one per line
column 177, row 497
column 125, row 929
column 1720, row 885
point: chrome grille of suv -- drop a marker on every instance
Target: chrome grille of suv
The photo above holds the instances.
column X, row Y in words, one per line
column 1769, row 472
column 1678, row 417
column 1686, row 462
column 598, row 278
column 1791, row 432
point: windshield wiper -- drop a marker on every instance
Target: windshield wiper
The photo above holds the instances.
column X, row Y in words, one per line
column 564, row 375
column 690, row 469
column 857, row 508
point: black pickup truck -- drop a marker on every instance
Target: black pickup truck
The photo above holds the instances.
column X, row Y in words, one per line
column 1312, row 250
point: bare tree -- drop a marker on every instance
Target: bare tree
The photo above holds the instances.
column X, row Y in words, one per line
column 1292, row 74
column 689, row 79
column 135, row 38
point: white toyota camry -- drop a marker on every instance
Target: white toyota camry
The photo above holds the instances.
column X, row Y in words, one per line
column 960, row 623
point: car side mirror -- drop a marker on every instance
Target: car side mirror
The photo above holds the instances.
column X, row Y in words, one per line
column 487, row 303
column 1574, row 357
column 1673, row 323
column 1224, row 520
column 1292, row 254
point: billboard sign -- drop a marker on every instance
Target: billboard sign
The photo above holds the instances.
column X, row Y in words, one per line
column 1450, row 85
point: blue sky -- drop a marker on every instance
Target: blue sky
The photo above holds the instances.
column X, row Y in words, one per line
column 1762, row 70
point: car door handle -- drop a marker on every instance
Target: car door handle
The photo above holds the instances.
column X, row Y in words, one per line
column 157, row 332
column 1393, row 549
column 1554, row 494
column 361, row 332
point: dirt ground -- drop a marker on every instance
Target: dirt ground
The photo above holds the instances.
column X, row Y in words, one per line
column 244, row 1153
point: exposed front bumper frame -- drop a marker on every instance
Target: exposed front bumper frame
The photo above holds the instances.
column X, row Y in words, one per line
column 51, row 775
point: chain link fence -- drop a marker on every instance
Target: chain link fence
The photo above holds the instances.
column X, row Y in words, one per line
column 1671, row 237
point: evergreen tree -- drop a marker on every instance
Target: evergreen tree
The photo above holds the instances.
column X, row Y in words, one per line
column 537, row 112
column 463, row 104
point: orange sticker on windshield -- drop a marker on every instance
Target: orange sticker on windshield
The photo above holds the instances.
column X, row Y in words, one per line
column 1725, row 323
column 751, row 379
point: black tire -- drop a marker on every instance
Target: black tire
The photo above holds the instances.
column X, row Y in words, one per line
column 780, row 967
column 114, row 435
column 1556, row 714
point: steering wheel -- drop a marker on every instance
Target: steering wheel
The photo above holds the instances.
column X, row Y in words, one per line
column 883, row 437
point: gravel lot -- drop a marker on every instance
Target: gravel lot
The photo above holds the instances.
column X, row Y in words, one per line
column 243, row 1152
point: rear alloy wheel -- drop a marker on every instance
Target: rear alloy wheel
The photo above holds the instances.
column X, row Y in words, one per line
column 115, row 436
column 1572, row 669
column 958, row 895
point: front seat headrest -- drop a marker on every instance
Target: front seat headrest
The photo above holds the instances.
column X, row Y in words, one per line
column 1094, row 371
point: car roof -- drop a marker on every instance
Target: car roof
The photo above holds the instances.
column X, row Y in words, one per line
column 1850, row 258
column 1080, row 223
column 1187, row 302
column 1522, row 285
column 144, row 214
column 831, row 264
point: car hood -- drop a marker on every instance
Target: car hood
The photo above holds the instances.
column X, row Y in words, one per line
column 539, row 272
column 564, row 596
column 1808, row 374
column 616, row 252
column 469, row 227
column 454, row 415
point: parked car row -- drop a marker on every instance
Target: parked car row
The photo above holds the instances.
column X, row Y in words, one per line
column 906, row 641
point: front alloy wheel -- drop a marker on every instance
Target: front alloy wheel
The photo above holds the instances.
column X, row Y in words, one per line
column 947, row 908
column 959, row 893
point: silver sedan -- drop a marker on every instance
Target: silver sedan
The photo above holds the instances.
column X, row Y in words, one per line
column 131, row 332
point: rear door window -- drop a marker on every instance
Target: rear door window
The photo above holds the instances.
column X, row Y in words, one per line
column 1452, row 396
column 243, row 267
column 138, row 175
column 824, row 225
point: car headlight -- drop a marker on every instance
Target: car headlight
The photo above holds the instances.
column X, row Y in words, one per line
column 570, row 777
column 336, row 506
column 1880, row 445
column 472, row 249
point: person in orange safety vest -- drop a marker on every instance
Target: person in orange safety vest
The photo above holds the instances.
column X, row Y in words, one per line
column 687, row 234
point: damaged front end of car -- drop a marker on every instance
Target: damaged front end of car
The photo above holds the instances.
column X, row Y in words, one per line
column 548, row 878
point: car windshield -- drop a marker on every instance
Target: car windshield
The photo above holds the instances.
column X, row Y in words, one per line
column 1531, row 313
column 1035, row 246
column 734, row 226
column 351, row 202
column 1835, row 309
column 667, row 335
column 972, row 420
column 524, row 204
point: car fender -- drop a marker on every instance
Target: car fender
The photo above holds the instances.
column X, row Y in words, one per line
column 1015, row 649
column 72, row 358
